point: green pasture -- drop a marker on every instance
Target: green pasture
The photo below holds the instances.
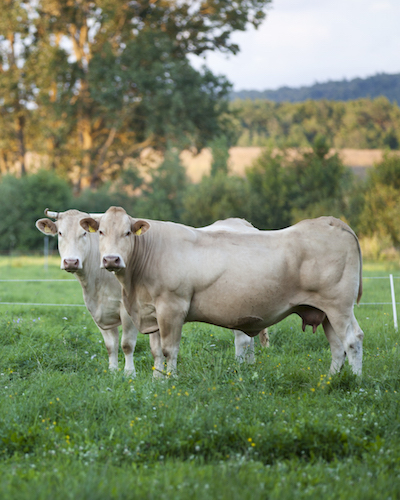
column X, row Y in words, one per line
column 281, row 428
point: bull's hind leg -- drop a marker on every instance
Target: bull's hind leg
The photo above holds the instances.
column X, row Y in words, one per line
column 347, row 329
column 337, row 348
column 244, row 347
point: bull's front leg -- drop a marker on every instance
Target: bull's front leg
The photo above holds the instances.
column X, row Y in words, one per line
column 170, row 339
column 156, row 351
column 170, row 317
column 111, row 340
column 128, row 342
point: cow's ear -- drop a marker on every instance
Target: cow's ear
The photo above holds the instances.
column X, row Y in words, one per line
column 139, row 227
column 47, row 227
column 89, row 224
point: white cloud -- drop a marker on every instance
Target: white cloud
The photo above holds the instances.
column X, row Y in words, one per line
column 302, row 42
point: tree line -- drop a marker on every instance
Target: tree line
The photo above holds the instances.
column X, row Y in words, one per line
column 276, row 191
column 359, row 124
column 374, row 86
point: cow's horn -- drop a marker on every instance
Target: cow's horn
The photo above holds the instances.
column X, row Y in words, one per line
column 49, row 213
column 55, row 215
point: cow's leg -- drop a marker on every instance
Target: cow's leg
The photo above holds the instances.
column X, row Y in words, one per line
column 111, row 340
column 354, row 346
column 170, row 319
column 350, row 334
column 170, row 346
column 244, row 347
column 157, row 352
column 128, row 342
column 337, row 348
column 171, row 313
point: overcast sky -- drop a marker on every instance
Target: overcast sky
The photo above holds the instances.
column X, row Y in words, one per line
column 302, row 42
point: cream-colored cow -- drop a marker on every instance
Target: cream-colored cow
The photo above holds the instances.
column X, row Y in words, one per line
column 79, row 251
column 172, row 274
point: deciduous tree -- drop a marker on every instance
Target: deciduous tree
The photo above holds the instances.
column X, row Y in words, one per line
column 128, row 83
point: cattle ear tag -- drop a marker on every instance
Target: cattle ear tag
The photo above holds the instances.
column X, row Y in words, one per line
column 91, row 229
column 139, row 231
column 47, row 229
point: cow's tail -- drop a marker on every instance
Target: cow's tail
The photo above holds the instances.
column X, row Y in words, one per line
column 360, row 283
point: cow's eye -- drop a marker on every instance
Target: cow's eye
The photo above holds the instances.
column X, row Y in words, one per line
column 59, row 233
column 101, row 233
column 84, row 234
column 128, row 233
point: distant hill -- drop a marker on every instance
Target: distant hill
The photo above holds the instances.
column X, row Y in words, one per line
column 381, row 84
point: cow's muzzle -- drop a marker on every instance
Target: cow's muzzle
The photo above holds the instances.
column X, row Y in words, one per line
column 71, row 265
column 112, row 262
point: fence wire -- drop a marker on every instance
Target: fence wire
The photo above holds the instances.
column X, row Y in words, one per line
column 82, row 305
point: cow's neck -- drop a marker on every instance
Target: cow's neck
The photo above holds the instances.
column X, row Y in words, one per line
column 90, row 273
column 140, row 259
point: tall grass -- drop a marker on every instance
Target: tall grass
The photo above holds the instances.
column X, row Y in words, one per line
column 279, row 428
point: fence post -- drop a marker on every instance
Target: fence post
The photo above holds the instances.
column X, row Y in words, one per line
column 393, row 302
column 46, row 253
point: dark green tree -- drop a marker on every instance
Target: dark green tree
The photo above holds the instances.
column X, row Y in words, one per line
column 220, row 155
column 386, row 172
column 161, row 191
column 127, row 83
column 23, row 201
column 269, row 197
column 316, row 183
column 380, row 216
column 17, row 82
column 215, row 197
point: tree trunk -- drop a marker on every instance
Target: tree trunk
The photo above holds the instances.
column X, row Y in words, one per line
column 21, row 143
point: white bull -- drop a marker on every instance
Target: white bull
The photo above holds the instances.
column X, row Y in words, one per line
column 244, row 345
column 171, row 274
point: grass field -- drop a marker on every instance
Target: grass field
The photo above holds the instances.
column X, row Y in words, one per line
column 281, row 428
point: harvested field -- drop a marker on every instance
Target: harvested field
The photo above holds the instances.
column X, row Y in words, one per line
column 243, row 157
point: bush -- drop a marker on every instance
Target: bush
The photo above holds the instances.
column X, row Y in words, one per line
column 380, row 216
column 23, row 202
column 269, row 198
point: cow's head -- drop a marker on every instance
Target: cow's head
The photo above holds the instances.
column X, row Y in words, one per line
column 74, row 244
column 117, row 231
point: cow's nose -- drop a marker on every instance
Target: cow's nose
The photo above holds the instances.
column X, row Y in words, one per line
column 112, row 262
column 71, row 264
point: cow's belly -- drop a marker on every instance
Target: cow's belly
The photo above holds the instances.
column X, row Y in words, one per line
column 263, row 290
column 246, row 321
column 249, row 311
